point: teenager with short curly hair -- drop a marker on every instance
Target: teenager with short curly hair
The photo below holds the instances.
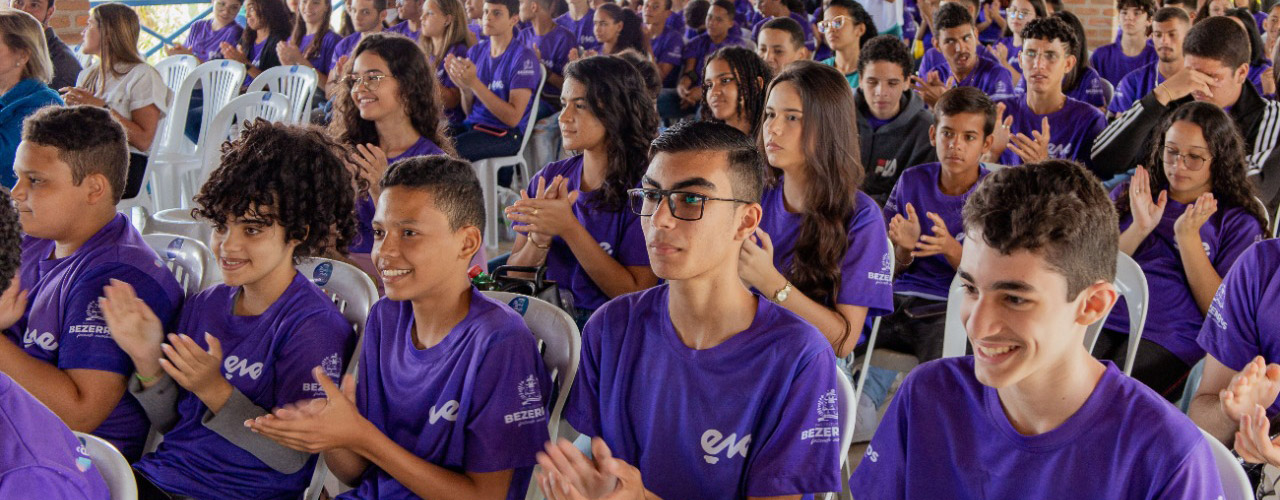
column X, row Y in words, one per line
column 249, row 344
column 734, row 88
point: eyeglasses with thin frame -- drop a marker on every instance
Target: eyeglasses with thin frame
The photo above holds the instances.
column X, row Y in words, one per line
column 1030, row 56
column 834, row 24
column 683, row 205
column 1020, row 14
column 1189, row 161
column 370, row 82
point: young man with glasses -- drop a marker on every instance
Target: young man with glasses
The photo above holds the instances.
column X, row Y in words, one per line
column 1168, row 29
column 699, row 388
column 1133, row 49
column 1215, row 69
column 1045, row 123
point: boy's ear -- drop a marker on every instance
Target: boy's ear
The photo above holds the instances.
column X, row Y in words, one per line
column 749, row 222
column 1096, row 304
column 472, row 239
column 989, row 140
column 933, row 141
column 99, row 189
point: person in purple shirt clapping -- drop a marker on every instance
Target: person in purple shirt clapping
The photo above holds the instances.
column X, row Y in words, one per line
column 312, row 41
column 444, row 33
column 452, row 394
column 205, row 39
column 574, row 217
column 957, row 39
column 709, row 390
column 1031, row 403
column 249, row 344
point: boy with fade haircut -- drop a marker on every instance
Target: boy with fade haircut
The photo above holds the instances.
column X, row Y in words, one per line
column 666, row 39
column 1046, row 123
column 782, row 9
column 710, row 390
column 1134, row 49
column 1168, row 29
column 452, row 391
column 957, row 39
column 37, row 451
column 933, row 57
column 923, row 212
column 1188, row 6
column 1215, row 69
column 781, row 42
column 71, row 172
column 893, row 124
column 550, row 43
column 1032, row 402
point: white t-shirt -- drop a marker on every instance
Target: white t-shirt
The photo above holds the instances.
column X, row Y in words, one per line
column 885, row 14
column 140, row 87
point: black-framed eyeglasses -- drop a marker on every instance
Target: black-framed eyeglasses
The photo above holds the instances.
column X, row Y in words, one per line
column 684, row 205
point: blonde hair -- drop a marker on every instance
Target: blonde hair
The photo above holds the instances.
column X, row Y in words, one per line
column 456, row 33
column 23, row 33
column 118, row 28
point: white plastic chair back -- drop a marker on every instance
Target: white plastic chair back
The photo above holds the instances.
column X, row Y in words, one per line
column 487, row 169
column 270, row 106
column 220, row 82
column 1131, row 283
column 112, row 465
column 185, row 257
column 297, row 83
column 174, row 70
column 1235, row 484
column 954, row 337
column 1275, row 222
column 561, row 345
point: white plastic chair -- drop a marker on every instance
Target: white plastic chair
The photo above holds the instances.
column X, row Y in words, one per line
column 487, row 169
column 848, row 416
column 1235, row 484
column 298, row 83
column 179, row 221
column 219, row 81
column 112, row 465
column 185, row 257
column 174, row 70
column 1131, row 282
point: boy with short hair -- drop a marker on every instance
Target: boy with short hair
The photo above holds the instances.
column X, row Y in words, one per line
column 781, row 42
column 769, row 10
column 580, row 20
column 893, row 124
column 666, row 39
column 452, row 391
column 551, row 43
column 71, row 171
column 1168, row 29
column 1134, row 49
column 957, row 39
column 1032, row 402
column 1046, row 123
column 710, row 390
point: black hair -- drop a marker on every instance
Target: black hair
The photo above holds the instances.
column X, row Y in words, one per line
column 647, row 69
column 951, row 15
column 787, row 25
column 1038, row 7
column 617, row 96
column 287, row 175
column 1220, row 39
column 1080, row 50
column 513, row 6
column 88, row 139
column 887, row 48
column 452, row 184
column 746, row 163
column 1050, row 29
column 695, row 14
column 633, row 35
column 860, row 16
column 1257, row 50
column 752, row 75
column 1166, row 14
column 1148, row 6
column 1057, row 5
column 967, row 100
column 277, row 17
column 10, row 240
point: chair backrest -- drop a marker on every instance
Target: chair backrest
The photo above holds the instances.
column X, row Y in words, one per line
column 1131, row 283
column 270, row 106
column 1275, row 222
column 112, row 465
column 848, row 413
column 561, row 344
column 174, row 69
column 298, row 83
column 1108, row 92
column 351, row 289
column 185, row 257
column 954, row 337
column 1235, row 484
column 219, row 81
column 533, row 109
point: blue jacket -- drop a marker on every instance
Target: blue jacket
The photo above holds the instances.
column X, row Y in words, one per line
column 19, row 102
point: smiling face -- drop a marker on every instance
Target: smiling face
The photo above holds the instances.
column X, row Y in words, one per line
column 882, row 84
column 783, row 128
column 413, row 245
column 225, row 11
column 250, row 250
column 1044, row 63
column 960, row 140
column 253, row 18
column 376, row 100
column 579, row 127
column 314, row 12
column 1187, row 139
column 721, row 90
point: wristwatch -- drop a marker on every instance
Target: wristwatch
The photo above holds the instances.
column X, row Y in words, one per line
column 781, row 295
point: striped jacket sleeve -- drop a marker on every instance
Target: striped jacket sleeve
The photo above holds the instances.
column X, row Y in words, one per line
column 1120, row 146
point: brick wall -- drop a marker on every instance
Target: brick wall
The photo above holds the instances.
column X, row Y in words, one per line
column 69, row 18
column 1098, row 17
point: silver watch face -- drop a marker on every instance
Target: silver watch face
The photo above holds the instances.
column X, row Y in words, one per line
column 782, row 294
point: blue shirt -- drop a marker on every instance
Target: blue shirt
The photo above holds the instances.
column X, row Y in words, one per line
column 25, row 98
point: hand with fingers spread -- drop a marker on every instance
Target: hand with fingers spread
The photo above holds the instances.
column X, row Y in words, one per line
column 549, row 215
column 1000, row 138
column 1186, row 229
column 941, row 243
column 317, row 425
column 372, row 162
column 195, row 369
column 1182, row 84
column 1253, row 439
column 629, row 483
column 1257, row 384
column 13, row 303
column 1146, row 210
column 1035, row 148
column 905, row 232
column 134, row 327
column 931, row 87
column 565, row 468
column 289, row 53
column 755, row 263
column 178, row 49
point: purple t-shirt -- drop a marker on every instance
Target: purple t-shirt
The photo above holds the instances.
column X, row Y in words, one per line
column 454, row 114
column 1091, row 90
column 64, row 326
column 1242, row 321
column 617, row 232
column 269, row 359
column 38, row 453
column 477, row 401
column 931, row 276
column 1014, row 50
column 1071, row 129
column 987, row 75
column 1112, row 64
column 515, row 68
column 323, row 60
column 933, row 59
column 363, row 243
column 1177, row 320
column 206, row 43
column 757, row 415
column 866, row 272
column 675, row 22
column 1255, row 74
column 345, row 47
column 668, row 48
column 1134, row 86
column 403, row 28
column 583, row 29
column 799, row 17
column 945, row 435
column 700, row 47
column 553, row 51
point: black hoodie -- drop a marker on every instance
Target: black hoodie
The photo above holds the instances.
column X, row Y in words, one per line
column 890, row 149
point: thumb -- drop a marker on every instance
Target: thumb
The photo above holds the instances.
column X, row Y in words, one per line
column 331, row 390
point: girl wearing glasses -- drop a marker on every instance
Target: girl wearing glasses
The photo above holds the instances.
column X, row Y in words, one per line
column 574, row 217
column 1185, row 223
column 1019, row 13
column 846, row 27
column 388, row 113
column 733, row 88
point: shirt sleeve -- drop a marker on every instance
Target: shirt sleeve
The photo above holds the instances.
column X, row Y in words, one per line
column 507, row 417
column 1230, row 332
column 52, row 484
column 86, row 341
column 1195, row 477
column 526, row 74
column 146, row 87
column 632, row 249
column 325, row 339
column 894, row 205
column 672, row 53
column 1238, row 234
column 882, row 473
column 582, row 409
column 802, row 453
column 866, row 275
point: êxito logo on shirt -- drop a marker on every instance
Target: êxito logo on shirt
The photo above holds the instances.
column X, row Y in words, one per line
column 713, row 442
column 447, row 411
